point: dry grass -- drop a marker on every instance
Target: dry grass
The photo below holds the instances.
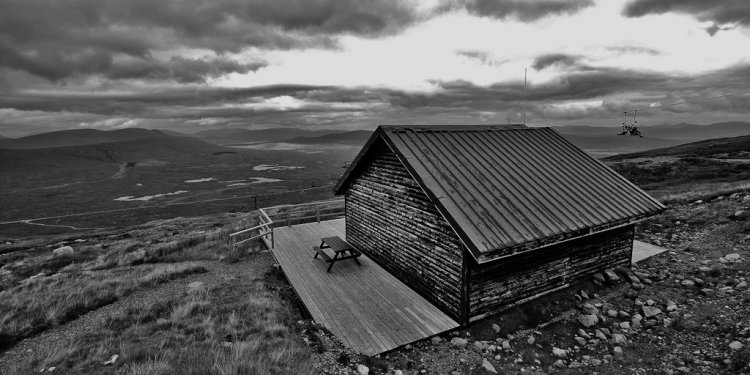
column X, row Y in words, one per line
column 226, row 330
column 693, row 192
column 41, row 302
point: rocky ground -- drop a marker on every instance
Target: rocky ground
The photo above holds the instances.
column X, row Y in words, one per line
column 685, row 311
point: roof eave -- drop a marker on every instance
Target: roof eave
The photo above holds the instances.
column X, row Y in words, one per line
column 492, row 256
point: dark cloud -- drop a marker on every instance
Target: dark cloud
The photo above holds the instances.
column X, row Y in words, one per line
column 179, row 69
column 524, row 10
column 64, row 38
column 721, row 12
column 559, row 59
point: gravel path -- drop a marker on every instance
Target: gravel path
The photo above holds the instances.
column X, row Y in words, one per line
column 218, row 272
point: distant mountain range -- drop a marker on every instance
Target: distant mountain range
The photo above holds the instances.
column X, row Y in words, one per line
column 239, row 135
column 356, row 137
column 597, row 140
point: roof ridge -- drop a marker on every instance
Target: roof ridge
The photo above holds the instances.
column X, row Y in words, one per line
column 454, row 128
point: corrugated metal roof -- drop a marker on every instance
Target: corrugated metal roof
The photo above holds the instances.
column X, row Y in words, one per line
column 505, row 188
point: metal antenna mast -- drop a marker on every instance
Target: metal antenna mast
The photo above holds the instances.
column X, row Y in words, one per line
column 524, row 96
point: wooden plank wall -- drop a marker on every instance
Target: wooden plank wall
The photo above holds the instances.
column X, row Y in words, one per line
column 389, row 218
column 500, row 283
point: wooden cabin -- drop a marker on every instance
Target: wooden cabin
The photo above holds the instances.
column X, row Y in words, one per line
column 479, row 218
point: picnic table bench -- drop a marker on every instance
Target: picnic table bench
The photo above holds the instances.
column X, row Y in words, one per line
column 338, row 247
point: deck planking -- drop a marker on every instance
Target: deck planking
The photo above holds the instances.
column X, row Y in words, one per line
column 366, row 307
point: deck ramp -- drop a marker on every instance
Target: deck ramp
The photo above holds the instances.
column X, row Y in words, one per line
column 366, row 307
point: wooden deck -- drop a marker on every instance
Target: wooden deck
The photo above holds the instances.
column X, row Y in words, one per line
column 366, row 307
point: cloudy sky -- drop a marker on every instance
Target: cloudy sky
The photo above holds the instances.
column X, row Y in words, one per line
column 198, row 64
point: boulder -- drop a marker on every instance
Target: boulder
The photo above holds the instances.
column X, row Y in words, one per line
column 588, row 320
column 559, row 353
column 733, row 257
column 111, row 360
column 619, row 339
column 611, row 276
column 736, row 345
column 362, row 370
column 64, row 250
column 589, row 309
column 650, row 311
column 459, row 342
column 480, row 345
column 488, row 367
column 617, row 353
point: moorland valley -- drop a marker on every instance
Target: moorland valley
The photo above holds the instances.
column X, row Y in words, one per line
column 129, row 270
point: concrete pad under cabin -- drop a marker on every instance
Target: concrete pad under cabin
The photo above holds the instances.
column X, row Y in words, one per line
column 643, row 250
column 366, row 307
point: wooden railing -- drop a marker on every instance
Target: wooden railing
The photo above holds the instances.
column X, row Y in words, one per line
column 291, row 214
column 263, row 230
column 287, row 215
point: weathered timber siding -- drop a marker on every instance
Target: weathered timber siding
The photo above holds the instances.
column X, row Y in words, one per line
column 503, row 282
column 389, row 218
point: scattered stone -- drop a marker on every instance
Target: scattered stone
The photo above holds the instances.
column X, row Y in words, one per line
column 625, row 325
column 480, row 345
column 583, row 294
column 580, row 340
column 398, row 372
column 733, row 257
column 459, row 342
column 599, row 278
column 688, row 283
column 506, row 345
column 650, row 311
column 741, row 285
column 617, row 353
column 589, row 309
column 588, row 320
column 583, row 334
column 623, row 314
column 559, row 363
column 496, row 328
column 111, row 360
column 196, row 287
column 611, row 276
column 600, row 335
column 612, row 313
column 559, row 353
column 708, row 292
column 575, row 364
column 436, row 340
column 531, row 340
column 619, row 339
column 64, row 250
column 362, row 370
column 736, row 345
column 486, row 365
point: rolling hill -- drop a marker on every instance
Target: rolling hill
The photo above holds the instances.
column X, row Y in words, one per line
column 80, row 137
column 677, row 133
column 21, row 166
column 727, row 148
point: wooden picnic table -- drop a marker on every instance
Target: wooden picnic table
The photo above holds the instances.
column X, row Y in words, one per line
column 339, row 247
